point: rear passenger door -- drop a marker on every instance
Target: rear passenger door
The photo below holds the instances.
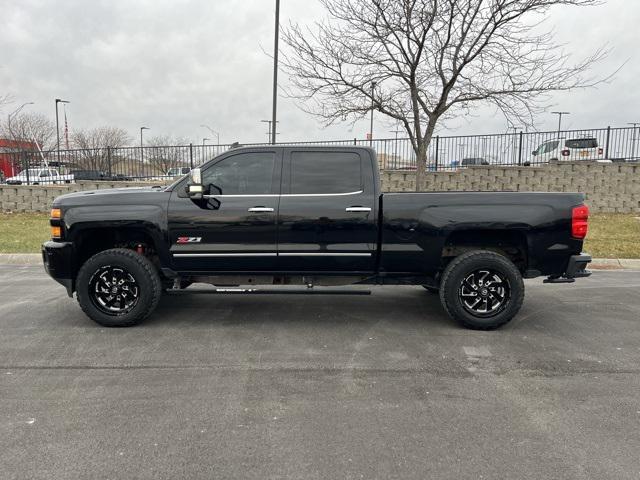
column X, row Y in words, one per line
column 327, row 215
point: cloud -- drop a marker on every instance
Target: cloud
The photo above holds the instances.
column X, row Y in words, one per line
column 174, row 65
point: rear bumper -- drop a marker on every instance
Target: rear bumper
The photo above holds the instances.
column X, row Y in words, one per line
column 576, row 268
column 58, row 263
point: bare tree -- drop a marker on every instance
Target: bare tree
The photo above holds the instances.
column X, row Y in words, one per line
column 92, row 153
column 162, row 158
column 422, row 61
column 27, row 127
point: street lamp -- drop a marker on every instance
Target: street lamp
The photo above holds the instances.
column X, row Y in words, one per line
column 560, row 114
column 58, row 100
column 214, row 132
column 141, row 144
column 204, row 140
column 13, row 114
column 9, row 117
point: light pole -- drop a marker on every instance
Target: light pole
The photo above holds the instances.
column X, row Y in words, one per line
column 204, row 140
column 214, row 132
column 13, row 114
column 633, row 138
column 58, row 100
column 9, row 117
column 373, row 86
column 276, row 34
column 269, row 130
column 142, row 144
column 560, row 114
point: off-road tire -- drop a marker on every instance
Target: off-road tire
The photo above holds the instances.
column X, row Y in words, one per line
column 456, row 272
column 139, row 267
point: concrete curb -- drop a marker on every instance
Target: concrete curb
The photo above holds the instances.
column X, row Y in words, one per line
column 597, row 264
column 20, row 259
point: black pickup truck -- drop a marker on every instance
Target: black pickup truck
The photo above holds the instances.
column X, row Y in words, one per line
column 290, row 215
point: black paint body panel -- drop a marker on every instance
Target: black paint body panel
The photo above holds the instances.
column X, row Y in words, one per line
column 402, row 235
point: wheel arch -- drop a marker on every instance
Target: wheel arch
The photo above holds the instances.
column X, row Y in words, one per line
column 90, row 238
column 511, row 243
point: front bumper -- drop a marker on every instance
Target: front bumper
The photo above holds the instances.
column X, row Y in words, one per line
column 58, row 263
column 576, row 268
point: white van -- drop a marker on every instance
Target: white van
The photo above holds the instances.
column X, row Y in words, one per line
column 569, row 150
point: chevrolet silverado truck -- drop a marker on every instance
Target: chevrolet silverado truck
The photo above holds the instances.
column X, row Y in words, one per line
column 309, row 216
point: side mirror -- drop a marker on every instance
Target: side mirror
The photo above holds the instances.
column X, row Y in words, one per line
column 194, row 187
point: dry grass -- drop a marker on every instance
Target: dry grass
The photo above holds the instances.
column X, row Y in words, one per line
column 613, row 236
column 610, row 235
column 23, row 232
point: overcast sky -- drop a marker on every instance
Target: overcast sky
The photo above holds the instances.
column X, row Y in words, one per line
column 174, row 65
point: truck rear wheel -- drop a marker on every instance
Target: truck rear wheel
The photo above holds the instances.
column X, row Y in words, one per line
column 118, row 288
column 482, row 290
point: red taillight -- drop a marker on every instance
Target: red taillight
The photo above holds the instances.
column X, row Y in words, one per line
column 566, row 152
column 579, row 221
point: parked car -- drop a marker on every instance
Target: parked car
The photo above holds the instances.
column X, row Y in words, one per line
column 178, row 171
column 569, row 149
column 308, row 216
column 474, row 161
column 39, row 176
column 89, row 175
column 120, row 177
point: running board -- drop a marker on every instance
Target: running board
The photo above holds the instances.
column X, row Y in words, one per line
column 273, row 291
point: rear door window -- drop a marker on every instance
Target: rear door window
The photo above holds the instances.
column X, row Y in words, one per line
column 581, row 143
column 325, row 172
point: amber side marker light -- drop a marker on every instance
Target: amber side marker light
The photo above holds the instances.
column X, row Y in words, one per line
column 55, row 213
column 56, row 232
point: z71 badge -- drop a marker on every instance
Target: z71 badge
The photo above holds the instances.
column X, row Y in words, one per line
column 188, row 239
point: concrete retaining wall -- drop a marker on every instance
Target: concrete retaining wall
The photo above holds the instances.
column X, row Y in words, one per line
column 38, row 198
column 609, row 187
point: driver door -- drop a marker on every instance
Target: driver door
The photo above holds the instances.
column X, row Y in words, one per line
column 233, row 228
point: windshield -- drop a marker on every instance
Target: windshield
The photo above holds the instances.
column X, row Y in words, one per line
column 32, row 172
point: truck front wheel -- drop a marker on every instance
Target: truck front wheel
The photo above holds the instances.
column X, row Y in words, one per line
column 118, row 288
column 482, row 290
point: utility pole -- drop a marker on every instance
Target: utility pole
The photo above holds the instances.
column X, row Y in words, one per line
column 269, row 130
column 276, row 35
column 58, row 100
column 633, row 138
column 560, row 114
column 373, row 87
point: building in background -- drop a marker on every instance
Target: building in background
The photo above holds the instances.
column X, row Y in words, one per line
column 10, row 151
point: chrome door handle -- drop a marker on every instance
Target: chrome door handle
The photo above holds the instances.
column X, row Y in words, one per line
column 260, row 209
column 357, row 209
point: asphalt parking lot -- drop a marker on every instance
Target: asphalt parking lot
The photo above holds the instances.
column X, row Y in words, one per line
column 322, row 387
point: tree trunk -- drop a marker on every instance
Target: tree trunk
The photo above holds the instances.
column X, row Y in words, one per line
column 421, row 155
